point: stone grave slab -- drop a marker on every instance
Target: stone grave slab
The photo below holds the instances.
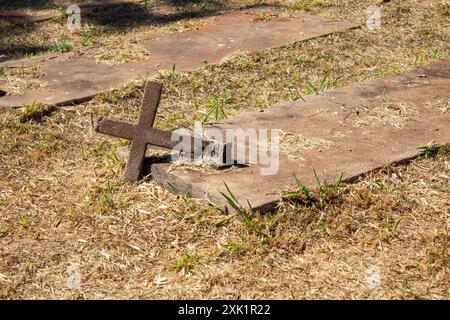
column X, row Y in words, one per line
column 75, row 78
column 348, row 131
column 23, row 17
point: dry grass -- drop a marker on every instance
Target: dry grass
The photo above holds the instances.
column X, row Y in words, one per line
column 395, row 114
column 61, row 202
column 20, row 80
column 17, row 86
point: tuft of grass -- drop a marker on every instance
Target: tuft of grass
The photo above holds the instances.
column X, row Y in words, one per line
column 431, row 55
column 246, row 214
column 302, row 192
column 15, row 126
column 13, row 145
column 185, row 262
column 429, row 151
column 390, row 228
column 23, row 222
column 326, row 83
column 320, row 226
column 89, row 37
column 434, row 150
column 216, row 108
column 170, row 120
column 48, row 142
column 328, row 191
column 173, row 74
column 106, row 150
column 34, row 112
column 106, row 196
column 386, row 71
column 230, row 248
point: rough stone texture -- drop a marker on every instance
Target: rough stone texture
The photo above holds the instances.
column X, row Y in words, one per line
column 73, row 78
column 421, row 95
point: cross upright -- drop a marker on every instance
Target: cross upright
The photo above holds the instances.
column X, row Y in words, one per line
column 143, row 133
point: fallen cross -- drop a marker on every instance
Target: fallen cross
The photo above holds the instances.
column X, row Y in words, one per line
column 23, row 17
column 143, row 134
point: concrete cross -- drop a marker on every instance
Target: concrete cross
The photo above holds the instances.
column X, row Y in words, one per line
column 143, row 133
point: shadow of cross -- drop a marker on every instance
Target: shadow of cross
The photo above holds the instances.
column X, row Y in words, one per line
column 143, row 133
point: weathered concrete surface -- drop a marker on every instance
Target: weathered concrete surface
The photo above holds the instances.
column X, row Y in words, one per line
column 332, row 116
column 73, row 78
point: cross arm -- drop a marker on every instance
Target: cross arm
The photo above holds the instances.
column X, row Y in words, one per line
column 120, row 129
column 170, row 140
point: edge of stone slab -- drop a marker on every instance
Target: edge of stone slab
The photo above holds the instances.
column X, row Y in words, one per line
column 65, row 103
column 173, row 184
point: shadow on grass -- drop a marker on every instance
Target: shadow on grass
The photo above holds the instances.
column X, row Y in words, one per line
column 12, row 49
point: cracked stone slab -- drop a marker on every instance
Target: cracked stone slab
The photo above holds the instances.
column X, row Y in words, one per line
column 76, row 78
column 349, row 131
